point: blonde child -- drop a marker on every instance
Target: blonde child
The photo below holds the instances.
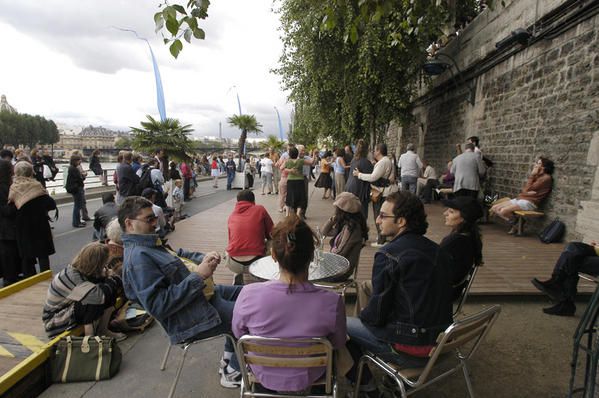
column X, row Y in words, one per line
column 178, row 198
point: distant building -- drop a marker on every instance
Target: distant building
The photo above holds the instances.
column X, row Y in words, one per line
column 89, row 137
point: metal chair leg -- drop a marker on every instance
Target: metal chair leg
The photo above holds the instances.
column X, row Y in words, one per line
column 467, row 378
column 179, row 369
column 165, row 358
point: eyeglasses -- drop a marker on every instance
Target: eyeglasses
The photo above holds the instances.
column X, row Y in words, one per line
column 147, row 220
column 383, row 215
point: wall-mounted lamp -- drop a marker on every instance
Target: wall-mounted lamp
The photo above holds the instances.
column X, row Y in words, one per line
column 520, row 36
column 435, row 67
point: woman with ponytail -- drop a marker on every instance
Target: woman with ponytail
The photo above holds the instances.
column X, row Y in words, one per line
column 290, row 307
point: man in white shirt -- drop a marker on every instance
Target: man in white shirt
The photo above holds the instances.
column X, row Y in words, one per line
column 382, row 181
column 429, row 174
column 266, row 169
column 410, row 166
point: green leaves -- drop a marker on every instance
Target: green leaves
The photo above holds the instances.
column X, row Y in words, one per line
column 176, row 22
column 168, row 134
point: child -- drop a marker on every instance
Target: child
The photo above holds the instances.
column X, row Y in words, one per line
column 178, row 198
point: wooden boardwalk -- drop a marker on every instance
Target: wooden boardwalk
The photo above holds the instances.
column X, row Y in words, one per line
column 510, row 262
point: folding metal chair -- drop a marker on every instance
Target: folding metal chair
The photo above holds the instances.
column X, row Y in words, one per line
column 285, row 353
column 185, row 347
column 462, row 338
column 464, row 295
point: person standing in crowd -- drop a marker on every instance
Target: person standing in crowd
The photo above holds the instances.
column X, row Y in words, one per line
column 382, row 183
column 96, row 167
column 104, row 215
column 34, row 236
column 276, row 172
column 214, row 172
column 306, row 171
column 537, row 188
column 136, row 163
column 186, row 174
column 6, row 154
column 464, row 243
column 174, row 172
column 38, row 166
column 348, row 156
column 10, row 266
column 410, row 166
column 296, row 192
column 324, row 178
column 474, row 141
column 422, row 300
column 339, row 167
column 284, row 178
column 230, row 167
column 468, row 168
column 285, row 308
column 266, row 168
column 356, row 186
column 249, row 228
column 128, row 180
column 162, row 159
column 74, row 186
column 50, row 163
column 84, row 212
column 178, row 198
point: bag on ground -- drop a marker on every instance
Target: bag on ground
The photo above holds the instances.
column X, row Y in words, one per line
column 553, row 233
column 131, row 317
column 89, row 358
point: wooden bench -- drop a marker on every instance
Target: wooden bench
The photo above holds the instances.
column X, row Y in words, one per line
column 523, row 215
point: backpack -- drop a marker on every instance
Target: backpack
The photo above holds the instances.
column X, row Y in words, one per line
column 146, row 178
column 131, row 317
column 554, row 232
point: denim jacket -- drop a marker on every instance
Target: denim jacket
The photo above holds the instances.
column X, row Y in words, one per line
column 161, row 283
column 411, row 291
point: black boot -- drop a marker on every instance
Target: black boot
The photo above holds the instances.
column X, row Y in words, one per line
column 550, row 288
column 564, row 308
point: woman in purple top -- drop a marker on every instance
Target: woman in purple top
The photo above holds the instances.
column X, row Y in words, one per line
column 290, row 307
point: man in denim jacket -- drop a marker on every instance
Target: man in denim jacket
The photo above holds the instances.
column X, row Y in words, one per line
column 177, row 292
column 409, row 299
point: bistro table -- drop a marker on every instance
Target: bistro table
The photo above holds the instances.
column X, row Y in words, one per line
column 324, row 266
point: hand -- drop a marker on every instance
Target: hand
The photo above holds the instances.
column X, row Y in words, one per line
column 594, row 243
column 207, row 267
column 356, row 172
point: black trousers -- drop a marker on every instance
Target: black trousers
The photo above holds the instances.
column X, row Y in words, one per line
column 10, row 261
column 466, row 192
column 577, row 257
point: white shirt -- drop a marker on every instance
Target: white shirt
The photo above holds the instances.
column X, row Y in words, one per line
column 430, row 172
column 156, row 176
column 382, row 168
column 410, row 164
column 266, row 165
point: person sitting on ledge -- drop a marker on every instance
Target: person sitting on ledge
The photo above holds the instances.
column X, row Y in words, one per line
column 561, row 287
column 249, row 228
column 537, row 188
column 176, row 290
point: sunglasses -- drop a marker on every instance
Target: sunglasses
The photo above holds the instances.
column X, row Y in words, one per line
column 147, row 220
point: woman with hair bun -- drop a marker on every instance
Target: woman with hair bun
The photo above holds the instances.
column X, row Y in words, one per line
column 290, row 307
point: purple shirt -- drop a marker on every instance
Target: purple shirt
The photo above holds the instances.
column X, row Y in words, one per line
column 269, row 310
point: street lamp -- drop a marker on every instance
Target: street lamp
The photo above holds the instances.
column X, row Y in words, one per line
column 435, row 67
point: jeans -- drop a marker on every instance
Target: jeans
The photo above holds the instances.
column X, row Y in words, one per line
column 577, row 257
column 223, row 301
column 409, row 183
column 78, row 199
column 362, row 339
column 230, row 178
column 376, row 209
column 267, row 181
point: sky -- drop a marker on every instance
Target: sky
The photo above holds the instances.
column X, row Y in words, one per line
column 64, row 60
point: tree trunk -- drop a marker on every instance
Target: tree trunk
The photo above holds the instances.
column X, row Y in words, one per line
column 242, row 139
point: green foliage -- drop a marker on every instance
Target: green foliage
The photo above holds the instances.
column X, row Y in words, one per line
column 169, row 135
column 176, row 22
column 123, row 143
column 247, row 124
column 23, row 129
column 272, row 142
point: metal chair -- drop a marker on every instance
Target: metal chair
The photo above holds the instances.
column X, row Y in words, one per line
column 587, row 328
column 285, row 353
column 464, row 295
column 185, row 347
column 462, row 338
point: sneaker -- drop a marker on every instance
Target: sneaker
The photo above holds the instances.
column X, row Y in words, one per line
column 565, row 308
column 513, row 230
column 549, row 288
column 230, row 379
column 376, row 244
column 223, row 363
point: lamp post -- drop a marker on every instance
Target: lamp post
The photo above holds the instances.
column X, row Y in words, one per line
column 435, row 67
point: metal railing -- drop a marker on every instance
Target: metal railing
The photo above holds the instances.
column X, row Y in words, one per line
column 91, row 181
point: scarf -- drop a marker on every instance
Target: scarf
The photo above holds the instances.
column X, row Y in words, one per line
column 25, row 189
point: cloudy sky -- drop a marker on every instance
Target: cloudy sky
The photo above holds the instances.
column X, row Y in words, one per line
column 63, row 59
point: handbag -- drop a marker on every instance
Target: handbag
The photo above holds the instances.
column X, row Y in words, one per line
column 375, row 195
column 89, row 358
column 553, row 233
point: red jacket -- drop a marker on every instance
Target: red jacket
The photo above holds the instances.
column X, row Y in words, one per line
column 185, row 170
column 249, row 226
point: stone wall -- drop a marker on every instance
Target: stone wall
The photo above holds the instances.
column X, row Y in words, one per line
column 541, row 101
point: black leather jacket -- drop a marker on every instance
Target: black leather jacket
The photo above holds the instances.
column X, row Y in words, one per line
column 411, row 291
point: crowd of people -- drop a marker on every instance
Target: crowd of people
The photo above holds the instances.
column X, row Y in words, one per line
column 399, row 312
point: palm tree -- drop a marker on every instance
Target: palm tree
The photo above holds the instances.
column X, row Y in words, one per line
column 168, row 135
column 272, row 142
column 247, row 124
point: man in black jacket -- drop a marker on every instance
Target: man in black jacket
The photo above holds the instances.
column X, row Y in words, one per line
column 128, row 180
column 104, row 215
column 410, row 293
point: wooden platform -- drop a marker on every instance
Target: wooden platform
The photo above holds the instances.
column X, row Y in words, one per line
column 510, row 262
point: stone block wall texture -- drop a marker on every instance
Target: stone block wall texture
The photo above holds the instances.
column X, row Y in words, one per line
column 542, row 101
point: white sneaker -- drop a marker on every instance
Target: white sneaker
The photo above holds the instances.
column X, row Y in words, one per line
column 376, row 244
column 230, row 379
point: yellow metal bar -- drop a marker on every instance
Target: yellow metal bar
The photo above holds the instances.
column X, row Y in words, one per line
column 34, row 360
column 25, row 283
column 27, row 340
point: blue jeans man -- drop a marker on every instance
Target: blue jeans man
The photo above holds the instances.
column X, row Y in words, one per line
column 78, row 200
column 230, row 178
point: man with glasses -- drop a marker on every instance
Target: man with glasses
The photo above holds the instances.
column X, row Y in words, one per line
column 176, row 288
column 408, row 302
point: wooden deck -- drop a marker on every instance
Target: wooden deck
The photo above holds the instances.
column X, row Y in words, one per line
column 510, row 262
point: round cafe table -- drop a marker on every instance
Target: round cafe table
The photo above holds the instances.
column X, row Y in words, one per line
column 329, row 265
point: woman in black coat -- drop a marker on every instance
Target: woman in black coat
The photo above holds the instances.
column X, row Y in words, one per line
column 356, row 186
column 75, row 186
column 10, row 264
column 34, row 236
